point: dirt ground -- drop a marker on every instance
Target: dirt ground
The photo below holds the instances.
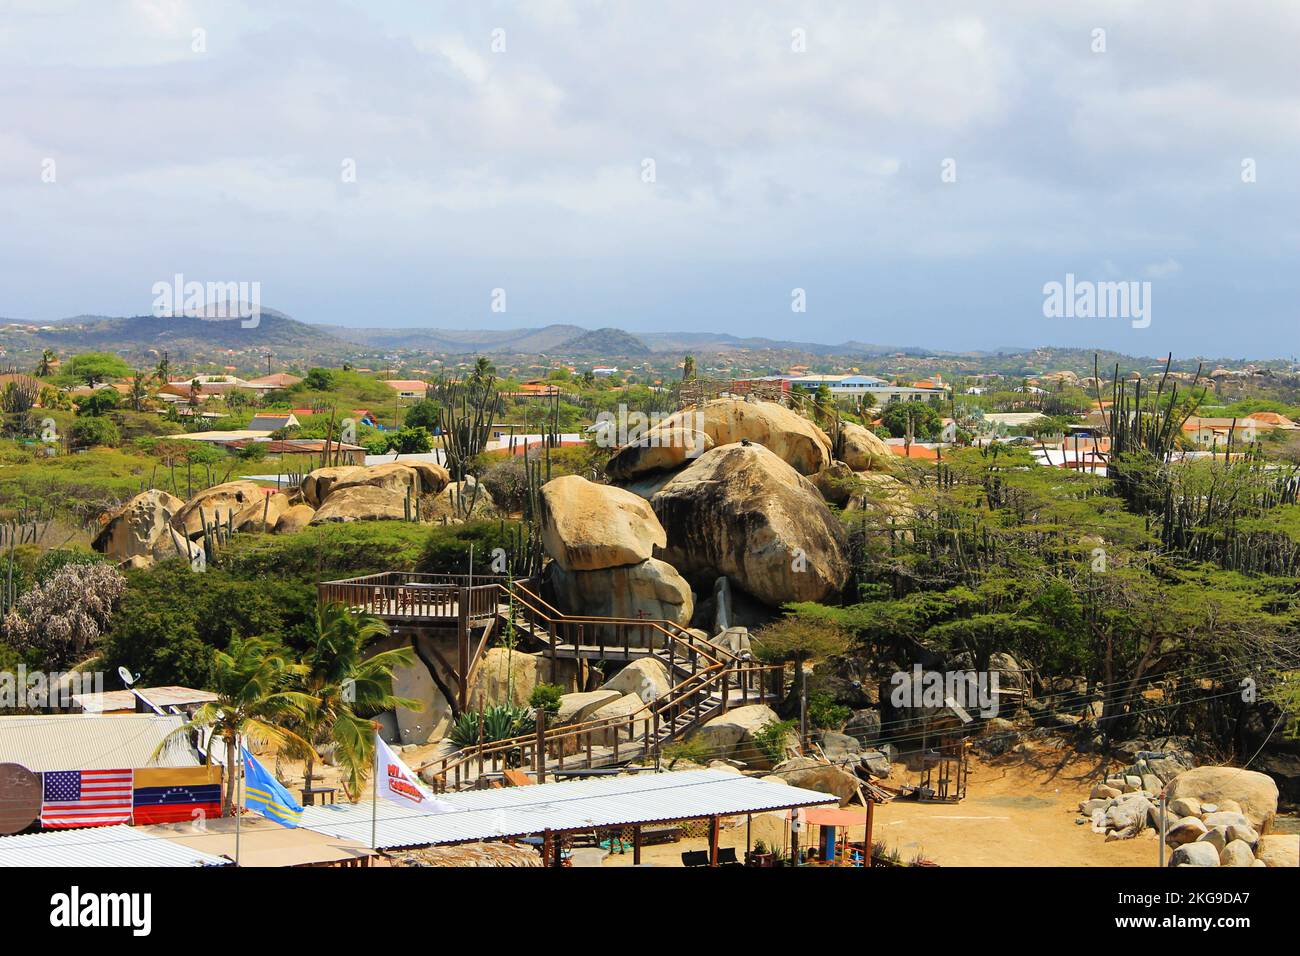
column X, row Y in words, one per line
column 1019, row 811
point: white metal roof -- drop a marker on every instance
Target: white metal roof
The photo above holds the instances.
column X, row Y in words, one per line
column 100, row 846
column 577, row 805
column 93, row 742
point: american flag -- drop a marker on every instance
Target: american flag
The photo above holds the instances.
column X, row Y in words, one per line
column 86, row 798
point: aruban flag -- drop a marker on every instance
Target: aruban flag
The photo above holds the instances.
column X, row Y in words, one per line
column 85, row 798
column 177, row 794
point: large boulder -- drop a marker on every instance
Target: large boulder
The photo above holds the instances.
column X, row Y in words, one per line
column 1237, row 853
column 812, row 774
column 506, row 676
column 618, row 713
column 647, row 678
column 658, row 449
column 741, row 511
column 862, row 449
column 787, row 434
column 262, row 515
column 140, row 528
column 733, row 735
column 317, row 484
column 1255, row 793
column 1279, row 850
column 649, row 589
column 433, row 718
column 1195, row 854
column 575, row 708
column 397, row 476
column 294, row 519
column 361, row 503
column 216, row 504
column 590, row 527
column 458, row 502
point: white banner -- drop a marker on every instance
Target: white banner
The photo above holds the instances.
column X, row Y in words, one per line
column 398, row 784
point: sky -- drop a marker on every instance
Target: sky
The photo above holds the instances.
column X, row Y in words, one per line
column 921, row 171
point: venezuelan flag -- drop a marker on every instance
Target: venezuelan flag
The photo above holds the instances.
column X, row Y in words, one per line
column 263, row 793
column 176, row 794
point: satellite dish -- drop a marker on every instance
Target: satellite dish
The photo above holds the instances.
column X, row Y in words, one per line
column 125, row 674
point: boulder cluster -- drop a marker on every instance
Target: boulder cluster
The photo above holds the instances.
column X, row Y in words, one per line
column 1214, row 816
column 731, row 490
column 155, row 524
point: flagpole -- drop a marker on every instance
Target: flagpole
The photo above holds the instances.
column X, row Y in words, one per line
column 374, row 794
column 239, row 782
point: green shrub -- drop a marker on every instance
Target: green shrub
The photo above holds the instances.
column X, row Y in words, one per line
column 825, row 714
column 770, row 739
column 94, row 430
column 546, row 697
column 500, row 722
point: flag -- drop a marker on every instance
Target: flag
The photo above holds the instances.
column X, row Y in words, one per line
column 85, row 798
column 263, row 793
column 397, row 783
column 175, row 794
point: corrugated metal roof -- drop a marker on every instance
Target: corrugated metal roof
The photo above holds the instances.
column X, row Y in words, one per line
column 124, row 700
column 99, row 846
column 578, row 805
column 93, row 742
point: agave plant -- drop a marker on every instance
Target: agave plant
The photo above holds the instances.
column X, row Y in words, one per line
column 500, row 722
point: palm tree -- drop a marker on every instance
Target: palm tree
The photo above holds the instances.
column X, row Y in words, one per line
column 346, row 691
column 46, row 365
column 251, row 680
column 163, row 370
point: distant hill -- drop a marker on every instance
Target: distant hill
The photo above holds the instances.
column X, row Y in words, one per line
column 613, row 343
column 461, row 341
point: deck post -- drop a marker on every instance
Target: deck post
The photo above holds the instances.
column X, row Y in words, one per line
column 636, row 845
column 539, row 748
column 462, row 648
column 713, row 840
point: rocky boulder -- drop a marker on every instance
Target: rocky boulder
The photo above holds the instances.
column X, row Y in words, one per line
column 575, row 708
column 741, row 511
column 216, row 504
column 262, row 515
column 659, row 449
column 812, row 774
column 862, row 449
column 647, row 678
column 1195, row 854
column 733, row 735
column 1279, row 850
column 1255, row 793
column 294, row 519
column 787, row 434
column 590, row 527
column 316, row 485
column 618, row 713
column 140, row 528
column 397, row 476
column 361, row 503
column 505, row 676
column 651, row 589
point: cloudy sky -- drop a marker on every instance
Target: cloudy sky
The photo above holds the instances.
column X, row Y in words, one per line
column 664, row 165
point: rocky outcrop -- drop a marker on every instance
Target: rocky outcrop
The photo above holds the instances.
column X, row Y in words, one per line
column 618, row 713
column 651, row 589
column 316, row 486
column 505, row 676
column 741, row 511
column 458, row 502
column 216, row 504
column 361, row 503
column 140, row 528
column 294, row 519
column 1255, row 793
column 811, row 774
column 262, row 515
column 589, row 527
column 732, row 736
column 660, row 449
column 647, row 678
column 1279, row 850
column 397, row 476
column 787, row 434
column 862, row 449
column 575, row 708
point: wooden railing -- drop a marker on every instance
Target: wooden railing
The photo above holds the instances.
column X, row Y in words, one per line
column 410, row 594
column 643, row 732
